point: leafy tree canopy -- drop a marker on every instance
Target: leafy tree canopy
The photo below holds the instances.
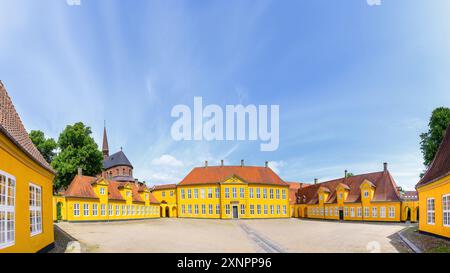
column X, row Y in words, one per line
column 77, row 149
column 46, row 146
column 430, row 141
column 349, row 174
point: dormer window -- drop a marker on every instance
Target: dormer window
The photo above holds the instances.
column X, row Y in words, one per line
column 128, row 194
column 102, row 191
column 366, row 194
column 341, row 196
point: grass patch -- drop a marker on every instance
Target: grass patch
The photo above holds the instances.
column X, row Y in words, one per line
column 439, row 249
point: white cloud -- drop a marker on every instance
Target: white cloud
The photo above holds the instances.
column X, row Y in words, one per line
column 276, row 166
column 167, row 160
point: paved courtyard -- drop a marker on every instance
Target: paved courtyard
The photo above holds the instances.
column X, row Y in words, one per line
column 196, row 235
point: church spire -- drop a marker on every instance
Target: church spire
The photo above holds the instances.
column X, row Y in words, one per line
column 105, row 149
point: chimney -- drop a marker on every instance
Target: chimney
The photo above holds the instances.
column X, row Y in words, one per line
column 345, row 173
column 136, row 181
column 267, row 164
column 221, row 162
column 80, row 171
column 385, row 166
column 206, row 163
column 316, row 180
column 242, row 162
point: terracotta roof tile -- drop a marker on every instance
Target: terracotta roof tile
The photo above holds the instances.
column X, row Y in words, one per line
column 218, row 174
column 164, row 187
column 81, row 187
column 440, row 166
column 12, row 126
column 385, row 188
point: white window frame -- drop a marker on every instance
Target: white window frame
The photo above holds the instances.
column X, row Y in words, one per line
column 10, row 208
column 217, row 208
column 278, row 209
column 189, row 193
column 195, row 209
column 446, row 210
column 182, row 193
column 346, row 211
column 352, row 212
column 227, row 192
column 117, row 210
column 252, row 209
column 242, row 209
column 250, row 192
column 103, row 210
column 202, row 193
column 278, row 193
column 374, row 212
column 227, row 209
column 102, row 191
column 183, row 209
column 203, row 209
column 271, row 194
column 76, row 209
column 359, row 212
column 36, row 207
column 383, row 212
column 283, row 192
column 110, row 210
column 210, row 208
column 195, row 193
column 266, row 211
column 272, row 209
column 431, row 211
column 124, row 210
column 284, row 209
column 258, row 193
column 366, row 194
column 85, row 209
column 241, row 193
column 265, row 193
column 391, row 212
column 94, row 210
column 258, row 209
column 210, row 193
column 217, row 192
column 234, row 191
column 366, row 212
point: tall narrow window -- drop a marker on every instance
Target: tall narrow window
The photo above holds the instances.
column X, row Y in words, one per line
column 85, row 209
column 210, row 195
column 210, row 209
column 7, row 209
column 446, row 210
column 217, row 209
column 202, row 192
column 227, row 192
column 250, row 192
column 76, row 209
column 182, row 193
column 374, row 212
column 366, row 212
column 94, row 209
column 430, row 211
column 265, row 193
column 278, row 193
column 284, row 194
column 391, row 212
column 35, row 209
column 241, row 193
column 242, row 209
column 271, row 193
column 217, row 192
column 234, row 193
column 383, row 212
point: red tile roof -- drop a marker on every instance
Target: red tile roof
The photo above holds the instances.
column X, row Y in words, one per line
column 218, row 174
column 164, row 187
column 385, row 188
column 409, row 195
column 440, row 166
column 12, row 126
column 81, row 187
column 293, row 191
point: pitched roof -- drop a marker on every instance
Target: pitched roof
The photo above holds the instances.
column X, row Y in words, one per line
column 218, row 174
column 105, row 146
column 12, row 127
column 117, row 159
column 440, row 166
column 81, row 187
column 385, row 188
column 164, row 187
column 409, row 195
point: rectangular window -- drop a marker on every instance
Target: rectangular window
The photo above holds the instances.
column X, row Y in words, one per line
column 210, row 207
column 202, row 193
column 374, row 212
column 227, row 209
column 250, row 192
column 102, row 191
column 272, row 209
column 259, row 209
column 94, row 209
column 345, row 211
column 271, row 193
column 189, row 193
column 190, row 209
column 326, row 212
column 234, row 193
column 117, row 210
column 182, row 193
column 278, row 193
column 195, row 209
column 430, row 211
column 217, row 209
column 227, row 192
column 76, row 209
column 265, row 209
column 446, row 210
column 336, row 211
column 210, row 195
column 252, row 209
column 366, row 194
column 7, row 209
column 391, row 212
column 163, row 194
column 383, row 212
column 258, row 193
column 284, row 209
column 265, row 193
column 352, row 212
column 183, row 209
column 123, row 210
column 36, row 209
column 242, row 209
column 85, row 209
column 284, row 194
column 366, row 212
column 195, row 193
column 217, row 192
column 278, row 209
column 203, row 209
column 241, row 193
column 171, row 193
column 110, row 210
column 128, row 210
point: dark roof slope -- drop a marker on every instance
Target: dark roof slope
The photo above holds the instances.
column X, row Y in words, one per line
column 218, row 174
column 12, row 127
column 117, row 159
column 385, row 188
column 440, row 166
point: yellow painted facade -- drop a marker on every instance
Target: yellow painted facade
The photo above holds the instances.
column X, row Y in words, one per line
column 17, row 165
column 432, row 209
column 233, row 198
column 104, row 209
column 168, row 200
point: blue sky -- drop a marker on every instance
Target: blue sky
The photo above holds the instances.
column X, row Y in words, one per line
column 355, row 83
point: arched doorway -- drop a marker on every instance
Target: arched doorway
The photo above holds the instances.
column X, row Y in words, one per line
column 167, row 212
column 417, row 214
column 59, row 211
column 408, row 214
column 174, row 212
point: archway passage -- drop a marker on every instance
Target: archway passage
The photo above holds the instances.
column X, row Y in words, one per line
column 167, row 212
column 417, row 214
column 408, row 214
column 59, row 211
column 161, row 212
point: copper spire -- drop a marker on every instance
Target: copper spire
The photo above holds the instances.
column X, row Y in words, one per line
column 105, row 148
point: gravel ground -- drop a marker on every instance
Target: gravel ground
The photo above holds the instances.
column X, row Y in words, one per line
column 197, row 235
column 427, row 243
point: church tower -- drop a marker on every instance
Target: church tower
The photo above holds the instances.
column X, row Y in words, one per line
column 105, row 148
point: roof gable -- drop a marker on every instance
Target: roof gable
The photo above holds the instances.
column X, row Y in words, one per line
column 117, row 159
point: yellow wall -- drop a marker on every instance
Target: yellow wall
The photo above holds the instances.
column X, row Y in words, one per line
column 168, row 199
column 413, row 207
column 16, row 163
column 231, row 201
column 434, row 190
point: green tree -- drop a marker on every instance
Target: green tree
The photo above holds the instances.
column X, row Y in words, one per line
column 77, row 149
column 349, row 174
column 46, row 146
column 430, row 141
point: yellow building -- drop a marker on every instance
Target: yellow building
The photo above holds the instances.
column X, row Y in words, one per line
column 167, row 196
column 233, row 192
column 434, row 193
column 112, row 195
column 365, row 197
column 25, row 187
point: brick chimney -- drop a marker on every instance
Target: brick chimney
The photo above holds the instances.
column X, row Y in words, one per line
column 206, row 163
column 267, row 164
column 316, row 180
column 345, row 173
column 80, row 171
column 385, row 166
column 221, row 163
column 242, row 163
